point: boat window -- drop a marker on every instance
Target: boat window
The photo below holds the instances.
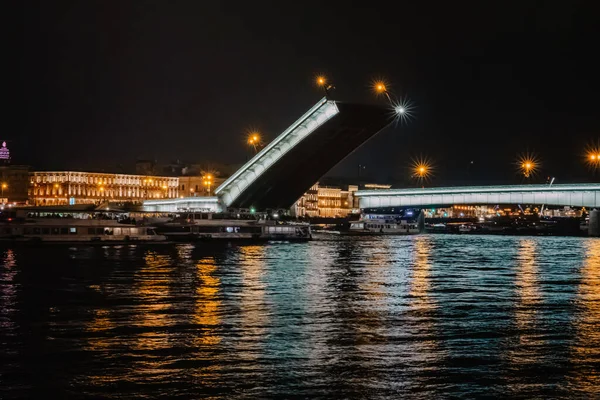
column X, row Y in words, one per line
column 73, row 231
column 64, row 231
column 134, row 231
column 45, row 231
column 55, row 231
column 108, row 231
column 91, row 231
column 117, row 231
column 229, row 229
column 99, row 231
column 37, row 231
column 7, row 231
column 27, row 231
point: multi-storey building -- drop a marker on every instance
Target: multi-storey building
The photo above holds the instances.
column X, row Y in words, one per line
column 14, row 180
column 71, row 187
column 326, row 202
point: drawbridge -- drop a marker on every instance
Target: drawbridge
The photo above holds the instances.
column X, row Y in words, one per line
column 286, row 168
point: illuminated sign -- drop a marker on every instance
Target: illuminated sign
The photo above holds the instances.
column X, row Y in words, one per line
column 4, row 152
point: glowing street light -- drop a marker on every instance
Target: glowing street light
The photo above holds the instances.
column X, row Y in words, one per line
column 379, row 87
column 593, row 157
column 322, row 82
column 528, row 164
column 4, row 186
column 422, row 169
column 208, row 182
column 254, row 140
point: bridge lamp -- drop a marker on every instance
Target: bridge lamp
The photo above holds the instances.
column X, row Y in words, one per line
column 322, row 82
column 254, row 140
column 379, row 87
column 527, row 168
column 400, row 110
column 528, row 164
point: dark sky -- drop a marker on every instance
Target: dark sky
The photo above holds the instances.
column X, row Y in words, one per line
column 101, row 84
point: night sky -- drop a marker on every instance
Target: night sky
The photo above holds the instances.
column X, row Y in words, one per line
column 101, row 84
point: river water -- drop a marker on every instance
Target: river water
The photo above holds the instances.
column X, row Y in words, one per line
column 427, row 316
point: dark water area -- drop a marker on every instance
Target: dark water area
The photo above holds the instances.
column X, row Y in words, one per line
column 427, row 316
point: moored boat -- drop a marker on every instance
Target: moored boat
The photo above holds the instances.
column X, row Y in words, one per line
column 383, row 225
column 41, row 225
column 191, row 227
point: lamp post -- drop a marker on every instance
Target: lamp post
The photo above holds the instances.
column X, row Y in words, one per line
column 322, row 82
column 254, row 141
column 527, row 167
column 594, row 158
column 4, row 186
column 208, row 182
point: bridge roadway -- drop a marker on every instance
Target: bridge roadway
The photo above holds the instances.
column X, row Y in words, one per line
column 576, row 195
column 288, row 166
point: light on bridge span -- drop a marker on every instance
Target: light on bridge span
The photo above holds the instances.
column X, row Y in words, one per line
column 380, row 87
column 254, row 140
column 528, row 164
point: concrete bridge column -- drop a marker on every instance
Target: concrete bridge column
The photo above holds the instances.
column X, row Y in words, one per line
column 594, row 227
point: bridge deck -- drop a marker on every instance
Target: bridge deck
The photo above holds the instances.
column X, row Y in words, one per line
column 278, row 175
column 579, row 195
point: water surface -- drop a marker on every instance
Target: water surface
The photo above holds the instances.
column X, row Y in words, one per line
column 428, row 316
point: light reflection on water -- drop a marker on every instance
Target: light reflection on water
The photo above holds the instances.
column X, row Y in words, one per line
column 427, row 316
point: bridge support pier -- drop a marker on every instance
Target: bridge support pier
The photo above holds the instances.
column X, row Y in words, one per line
column 594, row 226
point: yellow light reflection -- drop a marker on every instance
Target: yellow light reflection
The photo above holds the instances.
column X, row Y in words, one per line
column 420, row 283
column 585, row 351
column 423, row 307
column 527, row 350
column 152, row 288
column 207, row 302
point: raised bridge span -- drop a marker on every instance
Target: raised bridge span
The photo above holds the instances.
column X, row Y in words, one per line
column 286, row 168
column 576, row 195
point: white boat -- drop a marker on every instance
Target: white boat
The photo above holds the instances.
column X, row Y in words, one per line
column 43, row 226
column 466, row 228
column 383, row 225
column 189, row 227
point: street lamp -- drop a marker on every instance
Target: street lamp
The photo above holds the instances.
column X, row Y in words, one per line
column 422, row 169
column 322, row 82
column 528, row 164
column 594, row 158
column 208, row 182
column 4, row 186
column 380, row 87
column 254, row 140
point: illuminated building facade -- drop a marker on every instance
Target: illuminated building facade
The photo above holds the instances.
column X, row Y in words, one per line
column 326, row 202
column 199, row 185
column 70, row 187
column 14, row 181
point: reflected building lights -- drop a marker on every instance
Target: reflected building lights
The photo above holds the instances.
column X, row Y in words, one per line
column 528, row 348
column 254, row 310
column 585, row 379
column 422, row 305
column 8, row 289
column 207, row 302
